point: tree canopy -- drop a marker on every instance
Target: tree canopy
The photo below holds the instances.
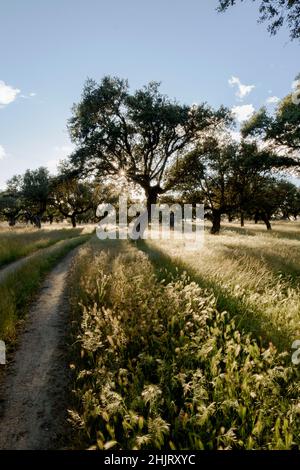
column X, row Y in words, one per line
column 135, row 134
column 143, row 139
column 35, row 190
column 281, row 130
column 276, row 13
column 11, row 201
column 227, row 176
column 72, row 198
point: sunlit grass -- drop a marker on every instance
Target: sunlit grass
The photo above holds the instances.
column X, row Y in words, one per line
column 19, row 287
column 253, row 273
column 157, row 365
column 15, row 244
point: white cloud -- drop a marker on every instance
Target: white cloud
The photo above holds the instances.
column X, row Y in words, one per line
column 7, row 94
column 52, row 165
column 30, row 95
column 242, row 90
column 2, row 152
column 64, row 151
column 244, row 112
column 59, row 154
column 273, row 100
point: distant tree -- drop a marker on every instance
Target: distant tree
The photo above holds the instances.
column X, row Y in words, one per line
column 72, row 198
column 287, row 197
column 206, row 171
column 35, row 190
column 52, row 214
column 11, row 201
column 137, row 135
column 226, row 177
column 276, row 12
column 273, row 198
column 250, row 168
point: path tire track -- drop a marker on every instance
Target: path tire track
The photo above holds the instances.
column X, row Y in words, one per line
column 34, row 392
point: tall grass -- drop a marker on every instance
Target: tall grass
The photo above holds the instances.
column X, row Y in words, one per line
column 158, row 366
column 16, row 244
column 256, row 277
column 18, row 288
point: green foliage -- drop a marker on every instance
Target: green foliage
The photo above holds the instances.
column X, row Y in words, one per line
column 229, row 177
column 283, row 129
column 276, row 12
column 73, row 198
column 277, row 198
column 26, row 196
column 138, row 134
column 11, row 201
column 159, row 367
column 35, row 191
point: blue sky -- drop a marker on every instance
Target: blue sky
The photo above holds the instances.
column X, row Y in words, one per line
column 49, row 47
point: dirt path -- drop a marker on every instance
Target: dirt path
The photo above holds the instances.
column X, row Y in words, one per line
column 33, row 395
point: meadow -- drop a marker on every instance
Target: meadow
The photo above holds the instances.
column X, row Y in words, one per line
column 174, row 349
column 253, row 273
column 20, row 285
column 17, row 243
column 170, row 348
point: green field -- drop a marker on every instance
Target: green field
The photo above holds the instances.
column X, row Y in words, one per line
column 20, row 285
column 181, row 350
column 172, row 348
column 15, row 244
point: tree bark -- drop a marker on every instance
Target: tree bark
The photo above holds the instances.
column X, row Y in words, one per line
column 216, row 221
column 242, row 219
column 73, row 220
column 36, row 220
column 266, row 220
column 151, row 195
column 12, row 221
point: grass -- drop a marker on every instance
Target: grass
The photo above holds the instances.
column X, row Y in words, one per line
column 15, row 244
column 158, row 365
column 18, row 288
column 255, row 277
column 290, row 230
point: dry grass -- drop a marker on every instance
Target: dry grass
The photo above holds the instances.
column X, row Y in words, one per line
column 253, row 273
column 16, row 243
column 158, row 366
column 19, row 287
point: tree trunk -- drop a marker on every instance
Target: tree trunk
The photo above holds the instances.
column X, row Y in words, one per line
column 73, row 220
column 266, row 220
column 151, row 195
column 216, row 221
column 36, row 220
column 242, row 219
column 12, row 221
